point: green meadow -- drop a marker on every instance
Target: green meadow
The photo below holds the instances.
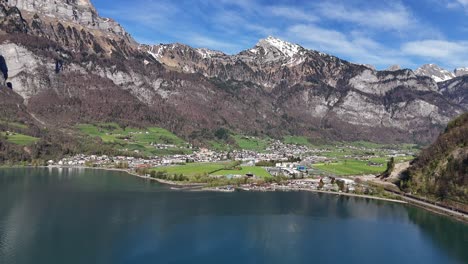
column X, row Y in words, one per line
column 20, row 139
column 136, row 139
column 350, row 167
column 296, row 140
column 13, row 124
column 251, row 143
column 257, row 171
column 215, row 169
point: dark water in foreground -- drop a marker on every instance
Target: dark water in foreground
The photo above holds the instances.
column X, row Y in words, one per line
column 85, row 216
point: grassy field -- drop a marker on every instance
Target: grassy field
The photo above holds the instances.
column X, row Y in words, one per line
column 350, row 167
column 251, row 143
column 193, row 169
column 257, row 171
column 296, row 140
column 13, row 124
column 136, row 139
column 217, row 169
column 218, row 146
column 20, row 139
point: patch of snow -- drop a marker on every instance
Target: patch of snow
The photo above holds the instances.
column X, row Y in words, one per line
column 437, row 73
column 207, row 53
column 286, row 48
column 156, row 51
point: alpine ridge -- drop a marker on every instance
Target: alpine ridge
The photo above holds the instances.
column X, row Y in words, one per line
column 439, row 74
column 69, row 65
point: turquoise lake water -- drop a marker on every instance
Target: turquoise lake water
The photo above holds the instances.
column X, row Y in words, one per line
column 68, row 216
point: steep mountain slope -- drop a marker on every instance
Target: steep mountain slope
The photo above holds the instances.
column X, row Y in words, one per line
column 461, row 72
column 70, row 66
column 435, row 72
column 456, row 90
column 441, row 170
column 319, row 94
column 439, row 74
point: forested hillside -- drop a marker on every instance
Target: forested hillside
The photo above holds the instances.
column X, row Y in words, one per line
column 441, row 170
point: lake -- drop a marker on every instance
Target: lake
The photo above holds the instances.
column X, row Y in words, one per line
column 92, row 216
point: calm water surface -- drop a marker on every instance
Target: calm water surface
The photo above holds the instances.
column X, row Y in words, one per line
column 85, row 216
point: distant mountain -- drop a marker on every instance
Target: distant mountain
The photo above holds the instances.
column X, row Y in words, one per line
column 455, row 90
column 461, row 72
column 69, row 66
column 394, row 68
column 439, row 74
column 441, row 170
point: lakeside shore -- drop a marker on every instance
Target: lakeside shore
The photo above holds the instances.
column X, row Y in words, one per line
column 182, row 186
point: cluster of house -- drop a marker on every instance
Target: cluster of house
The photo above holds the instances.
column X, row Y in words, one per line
column 327, row 184
column 277, row 151
column 294, row 170
column 282, row 153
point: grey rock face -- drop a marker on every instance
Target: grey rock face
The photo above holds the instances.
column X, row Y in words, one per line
column 394, row 68
column 435, row 72
column 79, row 11
column 461, row 72
column 27, row 73
column 456, row 90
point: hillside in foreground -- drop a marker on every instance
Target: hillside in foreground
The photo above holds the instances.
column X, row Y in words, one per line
column 441, row 170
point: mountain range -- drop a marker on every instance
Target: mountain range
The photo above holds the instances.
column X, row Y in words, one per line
column 67, row 65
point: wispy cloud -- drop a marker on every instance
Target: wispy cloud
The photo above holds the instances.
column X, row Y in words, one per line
column 372, row 32
column 200, row 41
column 458, row 3
column 390, row 16
column 292, row 13
column 356, row 47
column 442, row 51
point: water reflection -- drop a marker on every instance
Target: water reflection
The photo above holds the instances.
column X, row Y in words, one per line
column 87, row 216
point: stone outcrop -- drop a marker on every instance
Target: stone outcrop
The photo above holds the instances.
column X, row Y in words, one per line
column 79, row 11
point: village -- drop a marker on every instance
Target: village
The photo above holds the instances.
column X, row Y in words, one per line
column 297, row 165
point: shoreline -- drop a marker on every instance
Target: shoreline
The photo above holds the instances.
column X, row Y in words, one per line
column 202, row 188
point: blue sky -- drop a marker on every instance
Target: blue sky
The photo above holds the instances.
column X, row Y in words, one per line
column 381, row 33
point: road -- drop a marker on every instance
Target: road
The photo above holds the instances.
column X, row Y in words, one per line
column 436, row 208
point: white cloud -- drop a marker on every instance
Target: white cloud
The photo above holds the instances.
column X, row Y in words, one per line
column 382, row 34
column 356, row 47
column 455, row 4
column 391, row 16
column 451, row 53
column 394, row 17
column 200, row 41
column 464, row 3
column 291, row 13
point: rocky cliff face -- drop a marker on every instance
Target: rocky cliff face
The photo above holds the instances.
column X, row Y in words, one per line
column 456, row 90
column 461, row 72
column 77, row 11
column 70, row 66
column 439, row 74
column 435, row 72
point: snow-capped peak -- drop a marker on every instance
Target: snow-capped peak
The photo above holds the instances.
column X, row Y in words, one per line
column 437, row 73
column 286, row 48
column 461, row 71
